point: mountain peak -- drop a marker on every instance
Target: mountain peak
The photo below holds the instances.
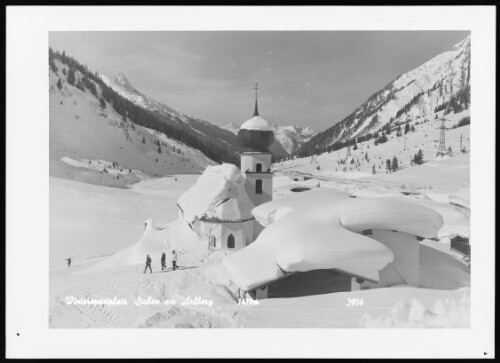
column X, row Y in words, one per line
column 123, row 81
column 463, row 43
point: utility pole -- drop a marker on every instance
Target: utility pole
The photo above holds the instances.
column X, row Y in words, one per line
column 442, row 138
column 460, row 142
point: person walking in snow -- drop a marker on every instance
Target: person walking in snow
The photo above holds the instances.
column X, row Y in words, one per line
column 174, row 260
column 163, row 261
column 148, row 264
column 69, row 261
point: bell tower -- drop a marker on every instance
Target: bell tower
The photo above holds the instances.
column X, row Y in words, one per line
column 255, row 136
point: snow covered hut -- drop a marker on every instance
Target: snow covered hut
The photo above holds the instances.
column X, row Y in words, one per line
column 218, row 209
column 322, row 241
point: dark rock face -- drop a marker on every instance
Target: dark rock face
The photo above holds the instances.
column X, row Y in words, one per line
column 256, row 140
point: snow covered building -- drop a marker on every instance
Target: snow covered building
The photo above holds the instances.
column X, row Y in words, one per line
column 255, row 136
column 322, row 241
column 218, row 207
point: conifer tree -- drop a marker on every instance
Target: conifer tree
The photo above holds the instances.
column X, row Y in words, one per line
column 102, row 102
column 395, row 163
column 52, row 65
column 71, row 76
column 59, row 84
column 79, row 84
column 388, row 165
column 419, row 157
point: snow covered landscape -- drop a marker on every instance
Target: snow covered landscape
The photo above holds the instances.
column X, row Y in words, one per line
column 121, row 189
column 107, row 261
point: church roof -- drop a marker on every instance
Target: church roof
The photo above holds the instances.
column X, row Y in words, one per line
column 219, row 195
column 256, row 123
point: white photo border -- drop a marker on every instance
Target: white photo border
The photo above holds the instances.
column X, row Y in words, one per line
column 27, row 144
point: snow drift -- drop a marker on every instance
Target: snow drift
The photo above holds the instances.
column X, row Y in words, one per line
column 154, row 242
column 270, row 212
column 444, row 313
column 218, row 185
column 317, row 230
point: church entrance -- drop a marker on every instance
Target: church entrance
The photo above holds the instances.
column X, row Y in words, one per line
column 230, row 241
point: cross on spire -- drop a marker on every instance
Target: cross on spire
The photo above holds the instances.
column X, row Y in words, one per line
column 256, row 111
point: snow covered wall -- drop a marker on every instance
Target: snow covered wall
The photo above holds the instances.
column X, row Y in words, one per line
column 318, row 230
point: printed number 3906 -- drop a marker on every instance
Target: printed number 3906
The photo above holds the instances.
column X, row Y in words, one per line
column 354, row 302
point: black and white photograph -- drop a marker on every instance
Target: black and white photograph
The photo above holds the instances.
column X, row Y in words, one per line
column 252, row 179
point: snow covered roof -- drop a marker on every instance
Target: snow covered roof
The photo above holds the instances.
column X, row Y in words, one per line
column 320, row 232
column 256, row 123
column 218, row 194
column 270, row 212
column 230, row 210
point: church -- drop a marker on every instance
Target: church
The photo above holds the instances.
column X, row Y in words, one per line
column 218, row 207
column 309, row 241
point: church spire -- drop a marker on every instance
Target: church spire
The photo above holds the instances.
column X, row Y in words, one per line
column 256, row 111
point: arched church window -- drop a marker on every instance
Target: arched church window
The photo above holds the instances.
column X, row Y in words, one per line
column 230, row 241
column 258, row 186
column 258, row 168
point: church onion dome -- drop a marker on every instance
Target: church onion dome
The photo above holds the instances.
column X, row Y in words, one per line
column 256, row 134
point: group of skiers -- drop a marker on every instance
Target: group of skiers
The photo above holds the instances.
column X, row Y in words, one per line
column 148, row 262
column 163, row 262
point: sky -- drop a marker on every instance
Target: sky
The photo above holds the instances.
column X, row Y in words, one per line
column 306, row 78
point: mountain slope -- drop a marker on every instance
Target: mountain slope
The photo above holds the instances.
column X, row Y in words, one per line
column 91, row 142
column 293, row 137
column 436, row 88
column 124, row 88
column 217, row 144
column 204, row 129
column 290, row 138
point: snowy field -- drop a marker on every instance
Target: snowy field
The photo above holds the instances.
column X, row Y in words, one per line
column 103, row 230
